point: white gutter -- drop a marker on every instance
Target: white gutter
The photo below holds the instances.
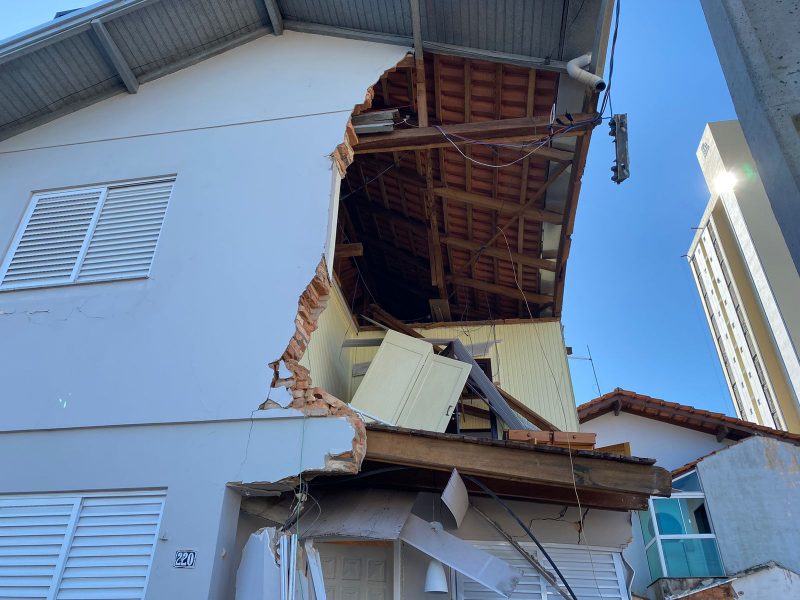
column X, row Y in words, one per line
column 575, row 70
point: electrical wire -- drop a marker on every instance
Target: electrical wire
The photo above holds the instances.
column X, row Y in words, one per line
column 607, row 94
column 526, row 529
column 582, row 531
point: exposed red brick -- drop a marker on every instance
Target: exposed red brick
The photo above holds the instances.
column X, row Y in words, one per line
column 314, row 401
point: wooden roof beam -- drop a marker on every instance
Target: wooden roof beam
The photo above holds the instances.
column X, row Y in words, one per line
column 501, row 290
column 517, row 213
column 528, row 129
column 537, row 214
column 521, row 259
column 348, row 250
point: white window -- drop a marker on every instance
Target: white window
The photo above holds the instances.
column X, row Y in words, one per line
column 85, row 235
column 678, row 536
column 592, row 572
column 78, row 547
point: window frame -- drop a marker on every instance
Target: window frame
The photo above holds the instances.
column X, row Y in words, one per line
column 658, row 536
column 102, row 190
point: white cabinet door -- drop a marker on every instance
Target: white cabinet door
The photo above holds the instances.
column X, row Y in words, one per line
column 409, row 386
column 391, row 376
column 435, row 394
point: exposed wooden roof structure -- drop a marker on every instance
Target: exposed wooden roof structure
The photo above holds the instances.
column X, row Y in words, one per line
column 432, row 222
column 718, row 424
column 465, row 211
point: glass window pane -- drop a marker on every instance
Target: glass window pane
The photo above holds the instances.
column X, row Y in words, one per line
column 695, row 518
column 687, row 483
column 646, row 521
column 692, row 558
column 654, row 562
column 668, row 516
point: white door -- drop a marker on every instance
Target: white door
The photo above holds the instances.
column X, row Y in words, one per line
column 409, row 386
column 354, row 571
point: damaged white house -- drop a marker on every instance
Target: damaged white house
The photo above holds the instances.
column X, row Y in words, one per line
column 280, row 293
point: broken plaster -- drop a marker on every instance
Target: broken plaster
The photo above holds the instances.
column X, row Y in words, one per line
column 292, row 384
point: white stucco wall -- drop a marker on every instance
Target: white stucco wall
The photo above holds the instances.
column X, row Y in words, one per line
column 670, row 445
column 248, row 134
column 193, row 463
column 753, row 494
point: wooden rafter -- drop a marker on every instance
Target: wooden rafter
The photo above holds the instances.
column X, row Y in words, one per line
column 502, row 290
column 503, row 207
column 565, row 239
column 349, row 250
column 530, row 105
column 531, row 201
column 520, row 259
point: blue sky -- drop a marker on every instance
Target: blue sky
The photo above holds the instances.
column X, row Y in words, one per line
column 629, row 295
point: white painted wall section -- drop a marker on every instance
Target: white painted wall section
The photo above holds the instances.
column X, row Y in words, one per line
column 248, row 134
column 753, row 491
column 670, row 445
column 192, row 463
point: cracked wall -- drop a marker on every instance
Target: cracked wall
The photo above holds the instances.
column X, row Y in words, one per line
column 249, row 134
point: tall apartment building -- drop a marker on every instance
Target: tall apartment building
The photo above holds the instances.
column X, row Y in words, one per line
column 748, row 283
column 756, row 42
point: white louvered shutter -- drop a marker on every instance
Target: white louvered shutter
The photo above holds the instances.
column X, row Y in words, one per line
column 32, row 536
column 593, row 574
column 83, row 236
column 530, row 587
column 124, row 239
column 112, row 547
column 96, row 547
column 50, row 241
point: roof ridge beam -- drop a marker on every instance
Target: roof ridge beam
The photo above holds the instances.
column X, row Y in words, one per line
column 114, row 56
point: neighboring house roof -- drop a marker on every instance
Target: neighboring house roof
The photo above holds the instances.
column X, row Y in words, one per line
column 691, row 465
column 722, row 426
column 92, row 53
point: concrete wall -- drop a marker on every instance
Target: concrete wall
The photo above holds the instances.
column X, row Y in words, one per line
column 193, row 462
column 753, row 491
column 248, row 134
column 670, row 445
column 774, row 582
column 756, row 44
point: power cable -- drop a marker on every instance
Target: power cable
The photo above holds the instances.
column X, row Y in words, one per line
column 563, row 411
column 526, row 529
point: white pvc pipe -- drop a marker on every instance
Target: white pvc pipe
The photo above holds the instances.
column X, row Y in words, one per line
column 575, row 70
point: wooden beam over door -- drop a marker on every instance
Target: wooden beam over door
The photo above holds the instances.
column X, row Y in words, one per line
column 529, row 465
